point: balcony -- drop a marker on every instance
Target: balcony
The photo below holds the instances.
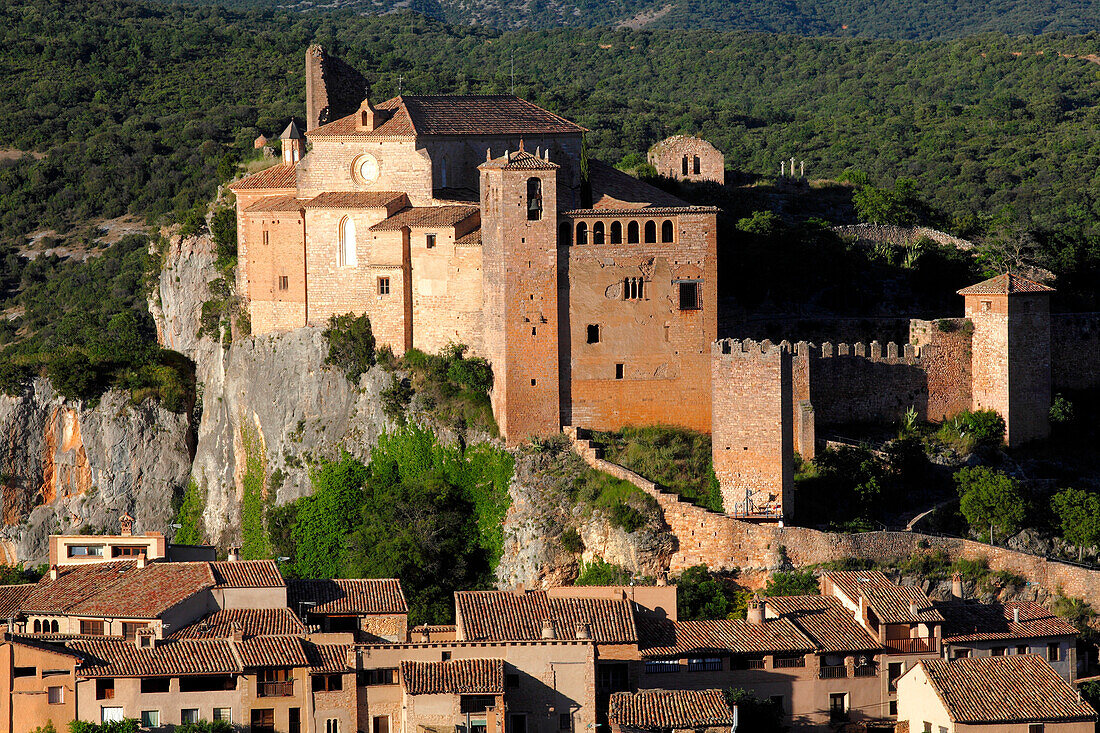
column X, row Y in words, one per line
column 919, row 645
column 282, row 688
column 786, row 662
column 865, row 670
column 833, row 671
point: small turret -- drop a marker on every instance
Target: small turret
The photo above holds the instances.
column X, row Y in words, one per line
column 294, row 143
column 366, row 120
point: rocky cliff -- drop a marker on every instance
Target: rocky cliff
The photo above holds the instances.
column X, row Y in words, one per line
column 71, row 468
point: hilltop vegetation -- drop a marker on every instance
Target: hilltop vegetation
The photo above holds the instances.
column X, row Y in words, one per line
column 895, row 19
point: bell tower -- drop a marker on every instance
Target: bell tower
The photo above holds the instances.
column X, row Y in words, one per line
column 294, row 143
column 519, row 243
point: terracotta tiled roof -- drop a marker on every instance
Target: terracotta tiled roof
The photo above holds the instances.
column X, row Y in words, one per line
column 426, row 216
column 519, row 160
column 1006, row 284
column 435, row 628
column 250, row 621
column 663, row 638
column 248, row 574
column 119, row 589
column 354, row 200
column 664, row 709
column 119, row 658
column 456, row 677
column 827, row 623
column 478, row 115
column 281, row 175
column 36, row 642
column 1013, row 688
column 13, row 598
column 508, row 616
column 328, row 658
column 991, row 621
column 359, row 597
column 470, row 239
column 275, row 203
column 273, row 651
column 890, row 601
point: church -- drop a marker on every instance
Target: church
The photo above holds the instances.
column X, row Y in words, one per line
column 480, row 220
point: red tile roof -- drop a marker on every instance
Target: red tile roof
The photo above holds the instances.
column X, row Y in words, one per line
column 281, row 175
column 426, row 217
column 122, row 658
column 273, row 651
column 13, row 598
column 664, row 709
column 477, row 115
column 328, row 658
column 662, row 638
column 1006, row 689
column 890, row 601
column 519, row 160
column 508, row 616
column 250, row 621
column 826, row 621
column 275, row 203
column 247, row 574
column 354, row 200
column 1006, row 284
column 470, row 239
column 357, row 597
column 992, row 621
column 119, row 589
column 456, row 677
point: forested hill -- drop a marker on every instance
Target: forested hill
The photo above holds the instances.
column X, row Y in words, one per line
column 904, row 19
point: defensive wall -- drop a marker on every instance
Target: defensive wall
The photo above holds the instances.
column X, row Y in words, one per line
column 722, row 542
column 1075, row 351
column 899, row 236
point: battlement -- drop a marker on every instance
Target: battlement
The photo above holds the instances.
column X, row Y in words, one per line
column 892, row 354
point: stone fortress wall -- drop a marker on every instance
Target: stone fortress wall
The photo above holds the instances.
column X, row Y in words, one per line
column 688, row 158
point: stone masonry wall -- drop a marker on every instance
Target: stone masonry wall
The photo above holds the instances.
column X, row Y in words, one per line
column 333, row 88
column 1075, row 350
column 861, row 383
column 668, row 157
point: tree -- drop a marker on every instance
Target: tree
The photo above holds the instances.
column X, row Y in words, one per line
column 793, row 583
column 323, row 518
column 350, row 344
column 1078, row 512
column 989, row 497
column 701, row 594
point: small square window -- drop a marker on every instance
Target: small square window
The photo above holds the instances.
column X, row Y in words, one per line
column 446, row 656
column 225, row 714
column 689, row 296
column 429, row 240
column 927, row 727
column 383, row 286
column 619, row 370
column 189, row 715
column 986, row 305
column 1035, row 728
column 150, row 718
column 284, row 282
column 55, row 695
column 593, row 333
column 533, row 333
column 534, row 382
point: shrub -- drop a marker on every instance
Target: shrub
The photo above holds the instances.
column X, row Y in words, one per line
column 793, row 583
column 1061, row 411
column 571, row 541
column 703, row 595
column 396, row 398
column 969, row 430
column 599, row 572
column 73, row 376
column 350, row 344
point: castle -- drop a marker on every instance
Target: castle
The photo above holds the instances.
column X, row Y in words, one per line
column 480, row 220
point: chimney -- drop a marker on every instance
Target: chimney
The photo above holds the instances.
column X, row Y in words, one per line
column 236, row 633
column 1016, row 615
column 352, row 661
column 145, row 638
column 366, row 120
column 126, row 525
column 584, row 630
column 549, row 629
column 913, row 608
column 141, row 560
column 234, row 554
column 755, row 613
column 957, row 586
column 53, row 572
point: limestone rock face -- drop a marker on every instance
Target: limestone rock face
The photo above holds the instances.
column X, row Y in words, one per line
column 69, row 467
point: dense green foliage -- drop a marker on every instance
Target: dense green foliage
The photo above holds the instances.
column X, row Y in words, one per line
column 991, row 498
column 622, row 503
column 969, row 430
column 204, row 726
column 128, row 725
column 85, row 324
column 676, row 459
column 1078, row 515
column 429, row 514
column 350, row 344
column 189, row 516
column 792, row 583
column 453, row 387
column 255, row 542
column 599, row 572
column 701, row 594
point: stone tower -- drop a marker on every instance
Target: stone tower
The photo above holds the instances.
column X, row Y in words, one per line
column 1010, row 355
column 519, row 244
column 294, row 143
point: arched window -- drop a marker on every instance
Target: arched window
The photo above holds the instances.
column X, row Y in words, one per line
column 632, row 233
column 53, row 626
column 616, row 233
column 565, row 231
column 597, row 233
column 582, row 233
column 37, row 626
column 666, row 231
column 695, row 165
column 684, row 165
column 633, row 288
column 650, row 232
column 534, row 199
column 347, row 243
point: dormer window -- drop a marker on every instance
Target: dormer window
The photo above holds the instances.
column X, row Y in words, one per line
column 534, row 199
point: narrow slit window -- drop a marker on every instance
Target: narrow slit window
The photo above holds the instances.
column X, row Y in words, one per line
column 684, row 166
column 429, row 240
column 619, row 370
column 284, row 282
column 695, row 165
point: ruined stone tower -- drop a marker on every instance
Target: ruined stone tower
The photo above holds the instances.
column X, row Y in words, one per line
column 1010, row 356
column 519, row 224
